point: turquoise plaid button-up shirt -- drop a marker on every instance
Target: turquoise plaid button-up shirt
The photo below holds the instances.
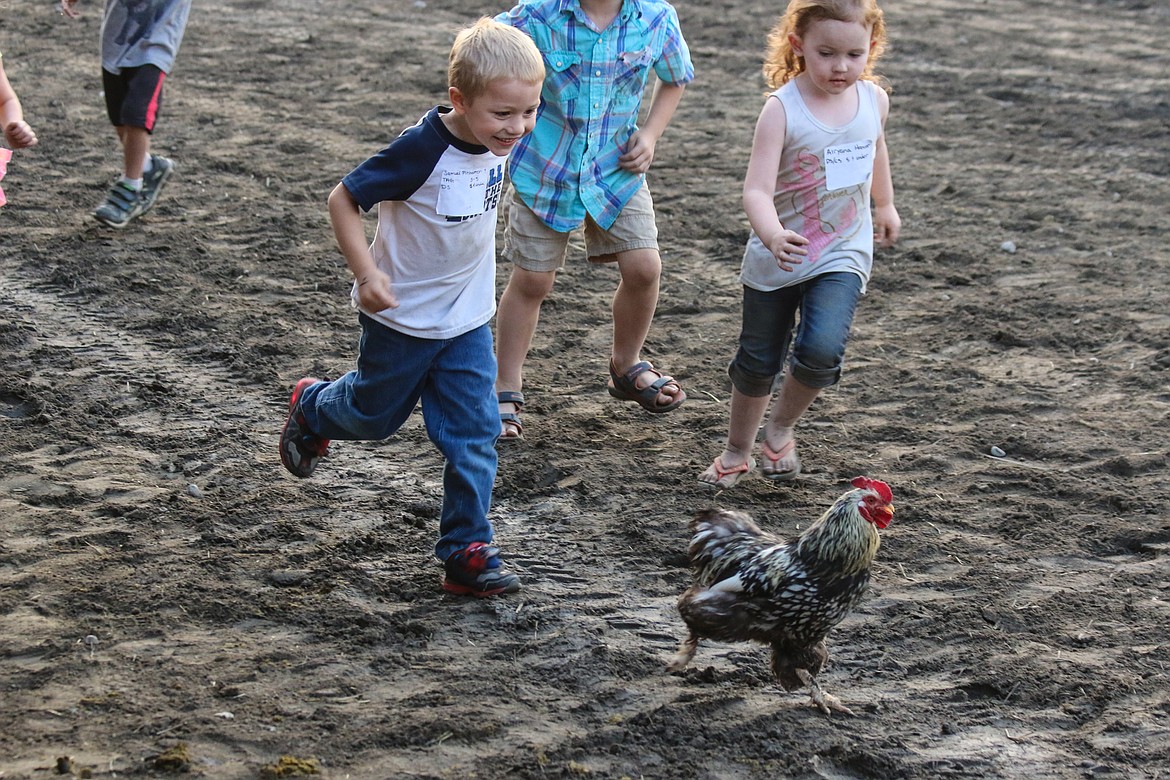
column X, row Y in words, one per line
column 568, row 166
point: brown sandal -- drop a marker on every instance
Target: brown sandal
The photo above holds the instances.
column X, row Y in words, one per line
column 511, row 420
column 625, row 387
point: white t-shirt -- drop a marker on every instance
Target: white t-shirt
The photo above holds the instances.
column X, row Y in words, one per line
column 822, row 193
column 436, row 239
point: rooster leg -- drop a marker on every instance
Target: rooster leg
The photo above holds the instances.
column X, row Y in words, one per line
column 827, row 702
column 686, row 651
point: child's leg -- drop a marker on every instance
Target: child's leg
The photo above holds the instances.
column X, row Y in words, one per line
column 373, row 401
column 747, row 412
column 826, row 314
column 135, row 148
column 133, row 98
column 768, row 318
column 794, row 399
column 516, row 320
column 536, row 251
column 632, row 242
column 633, row 308
column 460, row 414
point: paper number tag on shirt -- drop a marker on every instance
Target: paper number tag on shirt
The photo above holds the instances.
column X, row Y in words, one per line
column 462, row 193
column 849, row 165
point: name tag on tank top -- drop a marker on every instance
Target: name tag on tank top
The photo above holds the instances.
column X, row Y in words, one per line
column 848, row 165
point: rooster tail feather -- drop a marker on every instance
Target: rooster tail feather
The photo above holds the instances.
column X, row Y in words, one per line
column 728, row 519
column 721, row 536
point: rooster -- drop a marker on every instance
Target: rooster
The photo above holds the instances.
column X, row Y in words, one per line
column 753, row 586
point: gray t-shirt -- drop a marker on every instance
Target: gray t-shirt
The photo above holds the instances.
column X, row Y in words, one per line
column 142, row 32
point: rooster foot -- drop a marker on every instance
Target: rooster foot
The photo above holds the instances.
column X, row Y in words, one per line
column 686, row 651
column 826, row 702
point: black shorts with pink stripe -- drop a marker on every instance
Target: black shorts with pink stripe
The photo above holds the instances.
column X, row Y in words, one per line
column 134, row 96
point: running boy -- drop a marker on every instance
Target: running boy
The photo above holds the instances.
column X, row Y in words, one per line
column 140, row 39
column 585, row 164
column 425, row 292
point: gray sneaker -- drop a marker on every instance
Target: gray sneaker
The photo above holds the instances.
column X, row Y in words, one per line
column 122, row 205
column 152, row 183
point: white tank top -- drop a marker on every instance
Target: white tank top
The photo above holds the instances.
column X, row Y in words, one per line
column 822, row 192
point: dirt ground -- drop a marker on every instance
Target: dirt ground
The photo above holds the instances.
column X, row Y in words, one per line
column 172, row 600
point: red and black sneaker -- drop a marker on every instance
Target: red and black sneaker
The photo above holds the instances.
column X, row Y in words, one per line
column 478, row 571
column 300, row 448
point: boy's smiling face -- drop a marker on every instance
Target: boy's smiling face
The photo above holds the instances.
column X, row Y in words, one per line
column 499, row 117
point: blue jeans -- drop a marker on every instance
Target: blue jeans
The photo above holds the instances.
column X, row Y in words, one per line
column 826, row 304
column 455, row 379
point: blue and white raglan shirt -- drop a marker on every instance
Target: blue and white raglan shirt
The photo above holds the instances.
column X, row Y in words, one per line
column 436, row 239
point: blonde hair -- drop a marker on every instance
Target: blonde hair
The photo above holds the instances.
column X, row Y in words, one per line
column 489, row 51
column 781, row 64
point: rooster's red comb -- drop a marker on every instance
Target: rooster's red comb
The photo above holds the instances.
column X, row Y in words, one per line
column 881, row 488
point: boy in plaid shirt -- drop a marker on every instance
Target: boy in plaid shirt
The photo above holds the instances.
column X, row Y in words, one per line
column 584, row 166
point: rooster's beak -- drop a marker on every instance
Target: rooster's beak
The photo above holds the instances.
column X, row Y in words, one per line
column 883, row 515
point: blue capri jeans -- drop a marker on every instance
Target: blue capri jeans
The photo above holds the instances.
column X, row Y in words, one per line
column 826, row 304
column 455, row 379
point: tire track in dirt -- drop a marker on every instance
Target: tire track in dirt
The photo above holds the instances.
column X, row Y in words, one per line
column 123, row 374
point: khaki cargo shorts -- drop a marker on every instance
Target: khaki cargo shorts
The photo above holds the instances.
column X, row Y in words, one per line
column 534, row 246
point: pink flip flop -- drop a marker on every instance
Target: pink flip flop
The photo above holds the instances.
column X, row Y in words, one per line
column 722, row 473
column 774, row 457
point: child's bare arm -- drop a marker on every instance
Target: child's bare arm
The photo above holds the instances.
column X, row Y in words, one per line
column 887, row 225
column 639, row 152
column 16, row 130
column 374, row 290
column 759, row 188
column 67, row 8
